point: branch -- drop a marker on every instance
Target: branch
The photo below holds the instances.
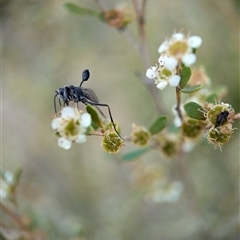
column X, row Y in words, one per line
column 178, row 109
column 178, row 96
column 140, row 13
column 13, row 215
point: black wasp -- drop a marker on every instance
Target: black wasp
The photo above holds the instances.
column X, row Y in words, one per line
column 221, row 118
column 71, row 93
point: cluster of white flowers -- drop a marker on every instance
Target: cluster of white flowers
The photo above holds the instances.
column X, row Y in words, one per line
column 179, row 49
column 163, row 191
column 71, row 127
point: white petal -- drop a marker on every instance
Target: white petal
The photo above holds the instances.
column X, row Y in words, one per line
column 189, row 59
column 67, row 112
column 175, row 191
column 81, row 138
column 174, row 80
column 64, row 143
column 171, row 63
column 56, row 123
column 188, row 146
column 151, row 72
column 161, row 60
column 85, row 120
column 177, row 121
column 174, row 112
column 9, row 177
column 195, row 41
column 162, row 85
column 3, row 193
column 178, row 36
column 162, row 48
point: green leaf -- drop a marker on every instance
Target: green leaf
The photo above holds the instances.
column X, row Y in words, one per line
column 191, row 89
column 185, row 76
column 94, row 125
column 158, row 125
column 82, row 11
column 134, row 154
column 194, row 110
column 94, row 116
column 212, row 98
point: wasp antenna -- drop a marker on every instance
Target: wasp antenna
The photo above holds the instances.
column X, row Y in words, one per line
column 85, row 76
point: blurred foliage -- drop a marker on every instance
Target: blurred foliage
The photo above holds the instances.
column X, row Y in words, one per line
column 86, row 193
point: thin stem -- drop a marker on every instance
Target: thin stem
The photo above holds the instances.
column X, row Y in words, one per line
column 96, row 134
column 178, row 108
column 143, row 51
column 13, row 215
column 178, row 98
column 125, row 32
column 101, row 5
column 140, row 13
column 141, row 47
column 16, row 218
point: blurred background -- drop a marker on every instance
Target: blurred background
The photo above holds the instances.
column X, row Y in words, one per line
column 86, row 193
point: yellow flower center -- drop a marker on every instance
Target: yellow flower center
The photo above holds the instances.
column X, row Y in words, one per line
column 178, row 48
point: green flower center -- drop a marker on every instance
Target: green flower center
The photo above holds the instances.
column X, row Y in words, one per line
column 71, row 129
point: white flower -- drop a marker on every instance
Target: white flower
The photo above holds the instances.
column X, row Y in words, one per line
column 164, row 73
column 71, row 127
column 181, row 48
column 162, row 191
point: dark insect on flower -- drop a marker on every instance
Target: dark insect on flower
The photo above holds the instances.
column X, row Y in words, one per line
column 221, row 118
column 71, row 93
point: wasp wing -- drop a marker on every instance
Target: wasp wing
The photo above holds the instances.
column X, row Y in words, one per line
column 90, row 94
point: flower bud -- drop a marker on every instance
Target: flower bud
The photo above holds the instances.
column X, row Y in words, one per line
column 119, row 17
column 168, row 143
column 140, row 135
column 111, row 142
column 192, row 128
